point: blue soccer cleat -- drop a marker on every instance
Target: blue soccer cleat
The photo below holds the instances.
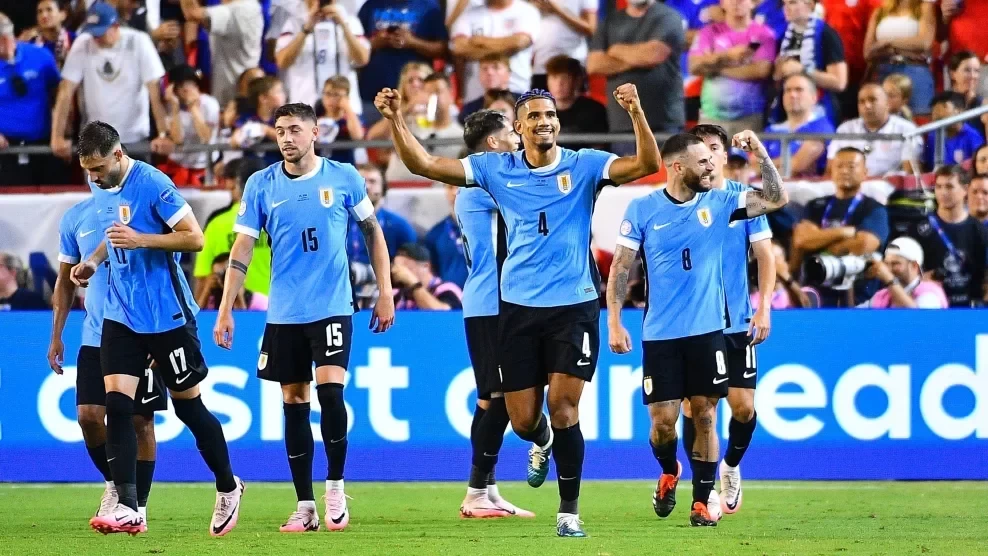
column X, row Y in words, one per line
column 538, row 465
column 569, row 525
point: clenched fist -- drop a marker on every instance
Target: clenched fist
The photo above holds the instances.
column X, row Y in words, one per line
column 627, row 97
column 388, row 103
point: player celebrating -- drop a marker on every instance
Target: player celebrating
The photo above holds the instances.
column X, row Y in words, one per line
column 77, row 239
column 483, row 246
column 681, row 230
column 746, row 331
column 305, row 204
column 548, row 322
column 149, row 312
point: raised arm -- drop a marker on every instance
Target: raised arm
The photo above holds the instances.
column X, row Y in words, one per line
column 617, row 293
column 377, row 248
column 647, row 159
column 410, row 151
column 773, row 195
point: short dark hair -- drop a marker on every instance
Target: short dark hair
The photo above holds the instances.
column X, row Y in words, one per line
column 436, row 76
column 953, row 171
column 97, row 139
column 481, row 125
column 241, row 169
column 564, row 64
column 533, row 94
column 222, row 258
column 952, row 97
column 702, row 131
column 981, row 176
column 493, row 95
column 375, row 168
column 850, row 149
column 184, row 74
column 414, row 251
column 298, row 110
column 260, row 87
column 678, row 143
column 959, row 58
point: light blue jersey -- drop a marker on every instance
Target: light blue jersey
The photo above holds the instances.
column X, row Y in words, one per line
column 478, row 218
column 547, row 214
column 306, row 218
column 682, row 246
column 79, row 234
column 736, row 263
column 148, row 291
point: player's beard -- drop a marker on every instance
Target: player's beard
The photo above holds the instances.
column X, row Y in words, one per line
column 544, row 143
column 697, row 182
column 296, row 155
column 113, row 178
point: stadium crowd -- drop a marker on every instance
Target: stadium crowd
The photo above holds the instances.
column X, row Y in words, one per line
column 180, row 73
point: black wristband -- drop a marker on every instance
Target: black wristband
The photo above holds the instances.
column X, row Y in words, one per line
column 412, row 288
column 237, row 265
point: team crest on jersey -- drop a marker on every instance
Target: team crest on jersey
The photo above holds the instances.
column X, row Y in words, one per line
column 705, row 218
column 124, row 213
column 326, row 196
column 565, row 183
column 262, row 361
column 647, row 385
column 625, row 227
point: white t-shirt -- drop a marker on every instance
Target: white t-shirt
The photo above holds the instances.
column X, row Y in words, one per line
column 396, row 168
column 305, row 78
column 114, row 81
column 881, row 157
column 555, row 37
column 235, row 33
column 211, row 113
column 519, row 17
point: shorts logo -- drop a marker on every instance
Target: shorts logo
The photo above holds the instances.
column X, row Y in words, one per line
column 124, row 213
column 565, row 183
column 326, row 196
column 647, row 385
column 705, row 218
column 243, row 208
column 625, row 227
column 262, row 361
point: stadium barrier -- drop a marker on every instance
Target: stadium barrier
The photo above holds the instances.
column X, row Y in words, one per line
column 842, row 395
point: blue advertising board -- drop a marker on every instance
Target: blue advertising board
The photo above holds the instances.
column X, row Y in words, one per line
column 845, row 395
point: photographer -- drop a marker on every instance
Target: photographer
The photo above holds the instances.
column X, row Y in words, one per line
column 904, row 286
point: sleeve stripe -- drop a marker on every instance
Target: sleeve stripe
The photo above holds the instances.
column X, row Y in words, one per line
column 362, row 210
column 743, row 200
column 467, row 170
column 180, row 214
column 628, row 242
column 69, row 259
column 241, row 229
column 759, row 236
column 606, row 175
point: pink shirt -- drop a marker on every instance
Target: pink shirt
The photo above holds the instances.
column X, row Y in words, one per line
column 926, row 294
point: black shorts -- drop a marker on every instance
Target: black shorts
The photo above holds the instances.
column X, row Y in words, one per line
column 684, row 367
column 742, row 366
column 288, row 350
column 151, row 393
column 535, row 341
column 482, row 345
column 177, row 352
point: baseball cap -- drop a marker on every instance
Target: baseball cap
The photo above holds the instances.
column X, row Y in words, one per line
column 907, row 248
column 100, row 17
column 735, row 153
column 181, row 74
column 415, row 251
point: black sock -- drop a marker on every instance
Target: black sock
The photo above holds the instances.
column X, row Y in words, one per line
column 121, row 447
column 703, row 479
column 98, row 455
column 665, row 454
column 487, row 441
column 568, row 450
column 209, row 440
column 689, row 435
column 145, row 475
column 491, row 480
column 738, row 439
column 539, row 436
column 333, row 423
column 478, row 478
column 478, row 414
column 300, row 447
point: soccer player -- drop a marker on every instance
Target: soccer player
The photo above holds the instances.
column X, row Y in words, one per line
column 304, row 204
column 77, row 239
column 681, row 230
column 482, row 230
column 746, row 331
column 149, row 312
column 548, row 322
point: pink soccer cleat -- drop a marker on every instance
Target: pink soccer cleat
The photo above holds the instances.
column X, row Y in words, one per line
column 121, row 520
column 303, row 520
column 227, row 510
column 479, row 506
column 337, row 513
column 495, row 497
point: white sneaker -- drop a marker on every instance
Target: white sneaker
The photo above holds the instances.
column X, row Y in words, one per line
column 108, row 501
column 121, row 520
column 227, row 510
column 730, row 488
column 337, row 513
column 495, row 497
column 305, row 518
column 713, row 506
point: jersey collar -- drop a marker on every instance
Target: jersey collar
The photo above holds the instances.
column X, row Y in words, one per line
column 123, row 180
column 543, row 169
column 311, row 173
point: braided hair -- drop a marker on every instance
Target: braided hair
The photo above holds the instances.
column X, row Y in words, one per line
column 533, row 94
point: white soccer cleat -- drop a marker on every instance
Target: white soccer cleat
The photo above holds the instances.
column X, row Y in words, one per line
column 227, row 510
column 495, row 497
column 303, row 520
column 730, row 488
column 713, row 506
column 480, row 506
column 337, row 512
column 109, row 500
column 121, row 519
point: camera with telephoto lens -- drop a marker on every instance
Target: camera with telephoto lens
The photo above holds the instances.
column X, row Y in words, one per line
column 836, row 272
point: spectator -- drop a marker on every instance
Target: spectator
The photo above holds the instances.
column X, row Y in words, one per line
column 337, row 119
column 882, row 156
column 641, row 45
column 416, row 287
column 847, row 222
column 29, row 76
column 445, row 244
column 501, row 100
column 980, row 160
column 788, row 294
column 810, row 46
column 194, row 119
column 899, row 89
column 235, row 32
column 965, row 74
column 738, row 167
column 397, row 231
column 165, row 34
column 903, row 284
column 211, row 293
column 505, row 27
column 965, row 22
column 977, row 198
column 235, row 113
column 436, row 125
column 961, row 140
column 50, row 32
column 806, row 158
column 218, row 234
column 849, row 18
column 900, row 34
column 955, row 243
column 120, row 73
column 771, row 14
column 12, row 296
column 695, row 17
column 494, row 75
column 338, row 39
column 410, row 84
column 400, row 31
column 735, row 58
column 566, row 26
column 577, row 113
column 265, row 95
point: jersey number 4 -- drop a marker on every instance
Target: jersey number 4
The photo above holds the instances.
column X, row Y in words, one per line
column 543, row 224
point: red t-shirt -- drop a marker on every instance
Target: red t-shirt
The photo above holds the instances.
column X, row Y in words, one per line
column 850, row 19
column 966, row 30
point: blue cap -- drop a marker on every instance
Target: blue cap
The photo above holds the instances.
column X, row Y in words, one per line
column 100, row 17
column 735, row 152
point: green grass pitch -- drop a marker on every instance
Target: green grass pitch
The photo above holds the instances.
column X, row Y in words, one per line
column 796, row 518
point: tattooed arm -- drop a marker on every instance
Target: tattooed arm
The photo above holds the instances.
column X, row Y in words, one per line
column 384, row 311
column 617, row 293
column 773, row 195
